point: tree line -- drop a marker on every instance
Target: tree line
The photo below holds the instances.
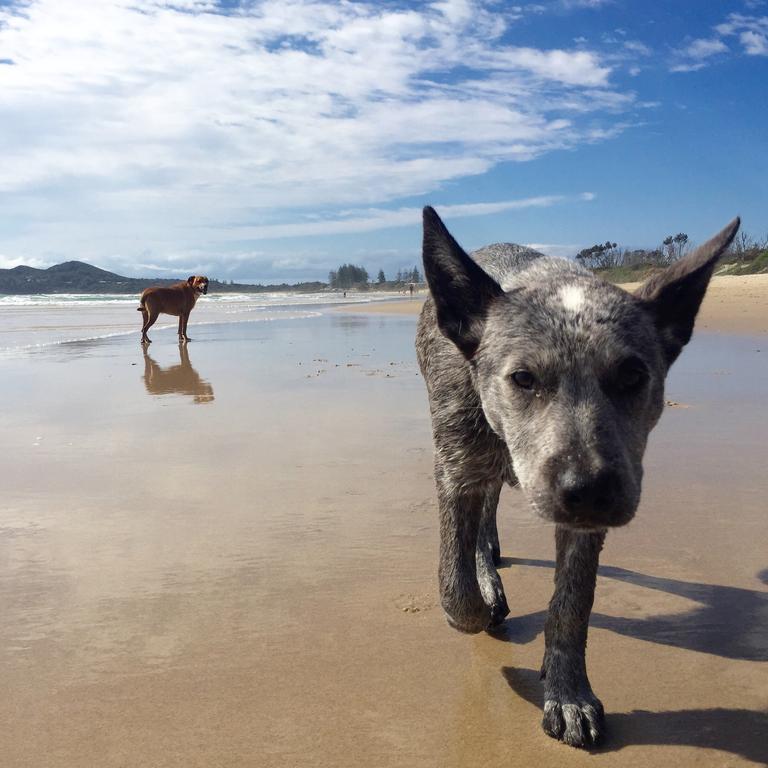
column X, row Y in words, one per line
column 746, row 253
column 609, row 255
column 351, row 276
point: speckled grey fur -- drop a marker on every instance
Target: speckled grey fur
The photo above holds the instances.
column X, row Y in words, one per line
column 573, row 441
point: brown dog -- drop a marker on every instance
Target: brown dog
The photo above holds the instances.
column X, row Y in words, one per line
column 176, row 300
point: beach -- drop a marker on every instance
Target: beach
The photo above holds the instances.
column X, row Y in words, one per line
column 733, row 304
column 226, row 554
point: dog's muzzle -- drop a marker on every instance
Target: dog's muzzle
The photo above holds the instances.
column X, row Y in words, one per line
column 589, row 502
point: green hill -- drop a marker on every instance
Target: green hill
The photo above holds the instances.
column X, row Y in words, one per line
column 79, row 277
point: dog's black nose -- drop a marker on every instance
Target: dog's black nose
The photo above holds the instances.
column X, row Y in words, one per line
column 588, row 498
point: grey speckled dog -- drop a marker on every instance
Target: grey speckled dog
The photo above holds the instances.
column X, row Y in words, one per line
column 540, row 373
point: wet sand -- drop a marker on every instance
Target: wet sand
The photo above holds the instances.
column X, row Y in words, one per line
column 229, row 559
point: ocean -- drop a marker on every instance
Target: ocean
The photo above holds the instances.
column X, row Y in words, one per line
column 32, row 322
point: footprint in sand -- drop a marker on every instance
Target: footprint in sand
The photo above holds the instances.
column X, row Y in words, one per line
column 410, row 603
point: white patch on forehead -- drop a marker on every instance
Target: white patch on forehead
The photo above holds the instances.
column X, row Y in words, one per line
column 572, row 297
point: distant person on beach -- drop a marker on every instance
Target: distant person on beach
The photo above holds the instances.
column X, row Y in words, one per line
column 410, row 288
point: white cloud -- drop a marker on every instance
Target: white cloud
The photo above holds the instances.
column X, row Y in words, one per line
column 135, row 124
column 737, row 22
column 561, row 250
column 751, row 31
column 566, row 67
column 704, row 48
column 9, row 262
column 754, row 43
column 635, row 46
column 586, row 3
column 373, row 219
column 688, row 67
column 696, row 55
column 238, row 263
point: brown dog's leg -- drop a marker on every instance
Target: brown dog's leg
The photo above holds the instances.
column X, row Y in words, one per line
column 144, row 318
column 149, row 320
column 186, row 320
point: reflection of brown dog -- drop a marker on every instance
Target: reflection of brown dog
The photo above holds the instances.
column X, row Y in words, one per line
column 181, row 379
column 176, row 300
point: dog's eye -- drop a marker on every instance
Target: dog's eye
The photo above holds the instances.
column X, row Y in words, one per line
column 523, row 379
column 631, row 375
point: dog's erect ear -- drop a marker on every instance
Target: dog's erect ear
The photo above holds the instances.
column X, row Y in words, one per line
column 673, row 296
column 191, row 279
column 461, row 290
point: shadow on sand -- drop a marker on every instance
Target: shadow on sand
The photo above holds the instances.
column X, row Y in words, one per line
column 738, row 731
column 728, row 622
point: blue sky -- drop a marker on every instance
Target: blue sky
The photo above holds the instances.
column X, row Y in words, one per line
column 274, row 140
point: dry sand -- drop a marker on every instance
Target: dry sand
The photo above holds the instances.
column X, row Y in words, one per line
column 393, row 307
column 732, row 305
column 229, row 560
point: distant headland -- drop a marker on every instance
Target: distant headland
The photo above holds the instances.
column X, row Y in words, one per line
column 79, row 277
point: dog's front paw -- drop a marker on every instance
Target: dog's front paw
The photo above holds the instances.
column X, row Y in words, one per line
column 499, row 610
column 578, row 721
column 494, row 598
column 470, row 624
column 469, row 614
column 491, row 588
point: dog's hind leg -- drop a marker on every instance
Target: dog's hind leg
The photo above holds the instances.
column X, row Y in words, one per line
column 144, row 317
column 487, row 556
column 149, row 315
column 460, row 595
column 572, row 712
